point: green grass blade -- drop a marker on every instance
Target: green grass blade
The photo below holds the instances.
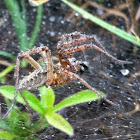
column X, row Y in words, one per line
column 7, row 70
column 103, row 24
column 7, row 54
column 23, row 14
column 59, row 122
column 19, row 23
column 37, row 26
column 80, row 97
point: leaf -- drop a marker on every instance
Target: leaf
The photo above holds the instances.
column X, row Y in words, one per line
column 59, row 122
column 39, row 125
column 7, row 54
column 8, row 91
column 103, row 24
column 7, row 70
column 19, row 22
column 80, row 97
column 47, row 98
column 6, row 136
column 5, row 124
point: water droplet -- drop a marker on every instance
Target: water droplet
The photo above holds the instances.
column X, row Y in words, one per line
column 52, row 34
column 124, row 72
column 23, row 35
column 100, row 12
column 23, row 127
column 52, row 19
column 9, row 32
column 62, row 21
column 43, row 22
column 77, row 14
column 34, row 10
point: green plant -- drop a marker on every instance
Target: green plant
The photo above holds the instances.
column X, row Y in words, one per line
column 17, row 127
column 45, row 107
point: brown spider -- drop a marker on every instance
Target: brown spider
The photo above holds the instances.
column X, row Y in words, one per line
column 67, row 68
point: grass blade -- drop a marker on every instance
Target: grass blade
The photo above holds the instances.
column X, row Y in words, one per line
column 19, row 23
column 7, row 54
column 7, row 70
column 37, row 26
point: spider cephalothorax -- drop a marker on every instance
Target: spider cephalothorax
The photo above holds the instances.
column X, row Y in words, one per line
column 65, row 70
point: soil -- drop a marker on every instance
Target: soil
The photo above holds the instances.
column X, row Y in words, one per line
column 93, row 120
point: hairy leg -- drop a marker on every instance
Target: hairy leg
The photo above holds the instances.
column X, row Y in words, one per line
column 92, row 46
column 75, row 39
column 49, row 66
column 27, row 56
column 76, row 77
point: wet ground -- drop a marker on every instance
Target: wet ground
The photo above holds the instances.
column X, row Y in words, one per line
column 94, row 120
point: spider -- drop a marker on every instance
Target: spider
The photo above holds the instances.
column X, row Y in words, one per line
column 65, row 70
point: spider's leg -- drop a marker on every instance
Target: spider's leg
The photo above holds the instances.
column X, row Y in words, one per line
column 49, row 65
column 28, row 107
column 75, row 76
column 27, row 56
column 72, row 35
column 92, row 46
column 16, row 87
column 32, row 62
column 76, row 38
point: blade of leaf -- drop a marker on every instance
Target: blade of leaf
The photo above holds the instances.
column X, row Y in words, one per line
column 47, row 98
column 7, row 70
column 59, row 122
column 7, row 54
column 8, row 91
column 103, row 24
column 6, row 136
column 80, row 97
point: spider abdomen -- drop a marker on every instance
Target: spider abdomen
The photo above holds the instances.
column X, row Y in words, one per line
column 34, row 80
